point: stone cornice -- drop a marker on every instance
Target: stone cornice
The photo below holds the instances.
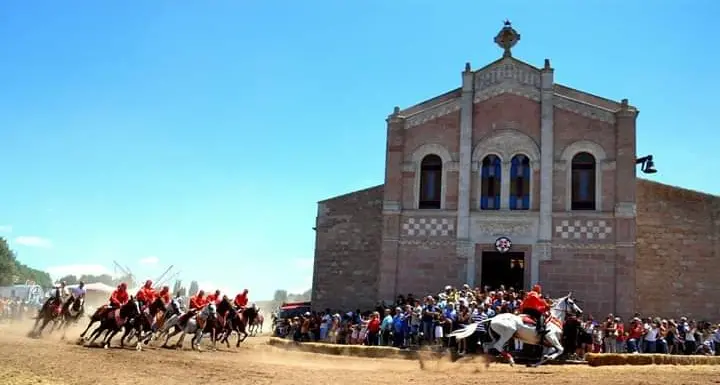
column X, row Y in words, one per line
column 431, row 113
column 584, row 109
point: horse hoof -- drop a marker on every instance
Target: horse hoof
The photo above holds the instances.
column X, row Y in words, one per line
column 105, row 347
column 138, row 347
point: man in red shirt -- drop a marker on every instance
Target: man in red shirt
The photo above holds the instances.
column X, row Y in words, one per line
column 146, row 294
column 214, row 297
column 197, row 302
column 241, row 300
column 164, row 294
column 536, row 307
column 119, row 297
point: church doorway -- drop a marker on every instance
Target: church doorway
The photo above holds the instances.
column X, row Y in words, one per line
column 506, row 269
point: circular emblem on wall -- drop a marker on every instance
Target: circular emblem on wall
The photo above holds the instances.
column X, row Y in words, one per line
column 503, row 244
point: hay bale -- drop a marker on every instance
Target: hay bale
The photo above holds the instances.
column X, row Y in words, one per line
column 602, row 359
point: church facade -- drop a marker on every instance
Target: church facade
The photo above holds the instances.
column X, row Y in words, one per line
column 511, row 179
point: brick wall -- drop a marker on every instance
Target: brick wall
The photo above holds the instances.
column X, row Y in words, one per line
column 678, row 253
column 347, row 250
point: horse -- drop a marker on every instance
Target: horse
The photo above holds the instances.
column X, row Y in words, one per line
column 97, row 316
column 191, row 320
column 144, row 321
column 169, row 318
column 238, row 322
column 257, row 325
column 50, row 312
column 72, row 311
column 114, row 320
column 505, row 326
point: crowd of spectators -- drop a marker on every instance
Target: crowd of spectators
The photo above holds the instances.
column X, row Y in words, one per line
column 428, row 320
column 14, row 309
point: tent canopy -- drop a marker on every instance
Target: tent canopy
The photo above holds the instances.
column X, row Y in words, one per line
column 96, row 286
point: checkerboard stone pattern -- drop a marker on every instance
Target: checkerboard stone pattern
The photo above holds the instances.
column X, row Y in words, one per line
column 428, row 227
column 583, row 229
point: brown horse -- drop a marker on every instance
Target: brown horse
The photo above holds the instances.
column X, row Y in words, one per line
column 238, row 322
column 257, row 325
column 51, row 312
column 115, row 320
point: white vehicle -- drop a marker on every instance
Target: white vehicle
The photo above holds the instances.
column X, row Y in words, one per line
column 30, row 293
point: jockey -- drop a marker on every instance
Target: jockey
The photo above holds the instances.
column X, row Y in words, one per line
column 119, row 297
column 55, row 297
column 214, row 297
column 535, row 306
column 146, row 294
column 76, row 295
column 197, row 302
column 164, row 294
column 241, row 300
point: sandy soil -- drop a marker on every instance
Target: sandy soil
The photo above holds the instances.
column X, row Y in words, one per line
column 52, row 361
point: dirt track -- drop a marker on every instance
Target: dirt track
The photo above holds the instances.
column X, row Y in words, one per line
column 51, row 361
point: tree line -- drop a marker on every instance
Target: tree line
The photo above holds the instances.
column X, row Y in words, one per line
column 13, row 272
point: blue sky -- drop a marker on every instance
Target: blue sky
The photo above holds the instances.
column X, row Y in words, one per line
column 202, row 134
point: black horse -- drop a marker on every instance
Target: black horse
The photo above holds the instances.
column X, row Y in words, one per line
column 237, row 321
column 144, row 322
column 115, row 320
column 50, row 312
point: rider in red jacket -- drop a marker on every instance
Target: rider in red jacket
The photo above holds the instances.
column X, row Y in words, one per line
column 216, row 298
column 197, row 302
column 119, row 297
column 164, row 294
column 146, row 294
column 241, row 300
column 535, row 306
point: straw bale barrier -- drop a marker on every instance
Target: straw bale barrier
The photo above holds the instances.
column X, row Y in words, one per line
column 610, row 359
column 343, row 350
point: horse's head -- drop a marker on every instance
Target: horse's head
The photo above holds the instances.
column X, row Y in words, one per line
column 566, row 306
column 211, row 309
column 130, row 309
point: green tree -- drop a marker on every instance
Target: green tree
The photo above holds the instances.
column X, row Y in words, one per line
column 194, row 287
column 12, row 271
column 69, row 279
column 8, row 265
column 26, row 273
column 280, row 295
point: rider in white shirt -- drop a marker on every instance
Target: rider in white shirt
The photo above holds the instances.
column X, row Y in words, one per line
column 77, row 295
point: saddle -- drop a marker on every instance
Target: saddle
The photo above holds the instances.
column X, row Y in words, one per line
column 530, row 321
column 186, row 317
column 119, row 321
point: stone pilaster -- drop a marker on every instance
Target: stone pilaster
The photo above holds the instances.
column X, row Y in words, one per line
column 465, row 174
column 547, row 164
column 392, row 207
column 625, row 209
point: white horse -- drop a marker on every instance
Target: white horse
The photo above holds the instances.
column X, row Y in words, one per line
column 505, row 326
column 192, row 327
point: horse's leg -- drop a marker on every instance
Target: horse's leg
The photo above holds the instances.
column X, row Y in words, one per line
column 506, row 333
column 556, row 346
column 176, row 331
column 179, row 344
column 111, row 335
column 95, row 334
column 125, row 334
column 92, row 321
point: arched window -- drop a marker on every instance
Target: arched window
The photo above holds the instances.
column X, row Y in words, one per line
column 584, row 168
column 520, row 183
column 490, row 183
column 430, row 182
